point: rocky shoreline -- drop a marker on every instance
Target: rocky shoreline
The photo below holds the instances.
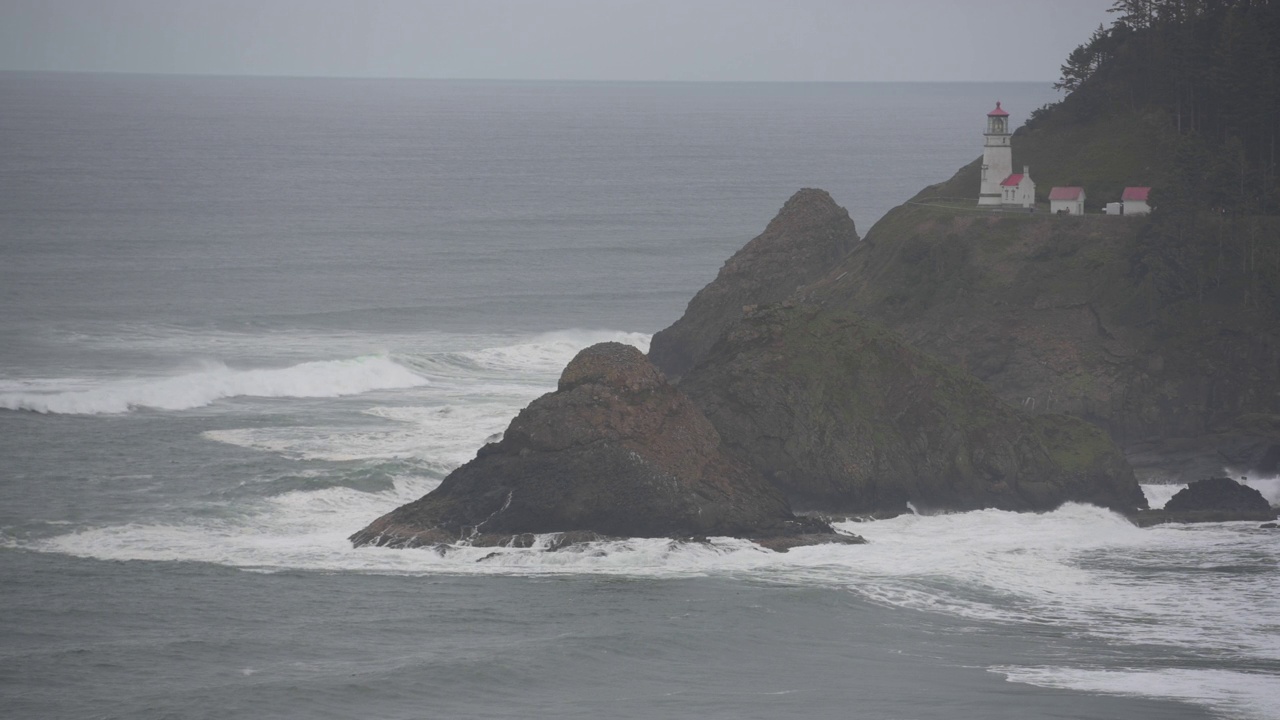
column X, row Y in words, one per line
column 782, row 399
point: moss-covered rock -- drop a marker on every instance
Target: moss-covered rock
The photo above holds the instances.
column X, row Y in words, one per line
column 845, row 417
column 1147, row 330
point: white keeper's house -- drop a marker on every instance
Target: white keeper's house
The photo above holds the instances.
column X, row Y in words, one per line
column 1018, row 190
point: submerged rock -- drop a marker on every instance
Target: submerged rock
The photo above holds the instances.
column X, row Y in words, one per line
column 844, row 417
column 615, row 451
column 1216, row 499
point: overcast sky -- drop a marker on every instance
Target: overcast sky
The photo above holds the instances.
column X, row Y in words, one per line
column 826, row 40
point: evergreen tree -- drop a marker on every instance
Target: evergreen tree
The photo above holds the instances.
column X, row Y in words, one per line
column 1213, row 66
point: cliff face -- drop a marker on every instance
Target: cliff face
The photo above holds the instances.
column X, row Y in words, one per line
column 615, row 451
column 807, row 238
column 845, row 417
column 1115, row 320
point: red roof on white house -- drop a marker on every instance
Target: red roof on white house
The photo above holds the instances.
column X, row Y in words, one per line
column 997, row 112
column 1012, row 180
column 1066, row 193
column 1136, row 193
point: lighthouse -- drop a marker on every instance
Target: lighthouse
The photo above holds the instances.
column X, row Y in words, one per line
column 997, row 157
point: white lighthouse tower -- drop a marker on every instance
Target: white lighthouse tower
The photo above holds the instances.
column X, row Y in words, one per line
column 997, row 157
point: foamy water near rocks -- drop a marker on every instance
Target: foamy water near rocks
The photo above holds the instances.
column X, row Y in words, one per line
column 615, row 451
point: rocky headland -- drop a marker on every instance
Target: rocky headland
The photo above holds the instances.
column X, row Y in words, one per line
column 785, row 398
column 955, row 358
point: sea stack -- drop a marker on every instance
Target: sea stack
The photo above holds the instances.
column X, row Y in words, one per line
column 615, row 451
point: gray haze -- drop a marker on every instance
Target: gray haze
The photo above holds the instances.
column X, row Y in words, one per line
column 801, row 40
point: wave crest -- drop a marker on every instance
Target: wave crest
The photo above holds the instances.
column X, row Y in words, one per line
column 215, row 381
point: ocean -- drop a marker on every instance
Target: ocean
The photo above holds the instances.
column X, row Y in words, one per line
column 240, row 318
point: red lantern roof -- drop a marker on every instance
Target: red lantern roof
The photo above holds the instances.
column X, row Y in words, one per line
column 997, row 112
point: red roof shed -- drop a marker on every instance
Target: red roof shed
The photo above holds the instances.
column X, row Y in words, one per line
column 1136, row 193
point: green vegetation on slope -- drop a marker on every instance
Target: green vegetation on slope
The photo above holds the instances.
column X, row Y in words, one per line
column 1209, row 72
column 1179, row 95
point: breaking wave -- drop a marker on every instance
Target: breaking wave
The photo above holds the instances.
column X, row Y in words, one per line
column 1081, row 569
column 214, row 381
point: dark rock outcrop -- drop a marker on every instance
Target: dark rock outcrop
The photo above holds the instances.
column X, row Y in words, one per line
column 1218, row 493
column 1216, row 499
column 845, row 417
column 615, row 451
column 808, row 237
column 1145, row 329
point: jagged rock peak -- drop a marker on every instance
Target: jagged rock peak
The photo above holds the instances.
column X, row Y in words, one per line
column 613, row 364
column 807, row 239
column 809, row 208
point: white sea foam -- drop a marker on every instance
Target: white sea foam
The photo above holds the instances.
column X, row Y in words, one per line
column 1268, row 486
column 309, row 529
column 550, row 352
column 448, row 434
column 528, row 364
column 1208, row 589
column 1231, row 693
column 472, row 396
column 214, row 381
column 1159, row 494
column 1081, row 567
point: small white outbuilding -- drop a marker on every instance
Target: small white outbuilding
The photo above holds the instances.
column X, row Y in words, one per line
column 1134, row 201
column 1066, row 200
